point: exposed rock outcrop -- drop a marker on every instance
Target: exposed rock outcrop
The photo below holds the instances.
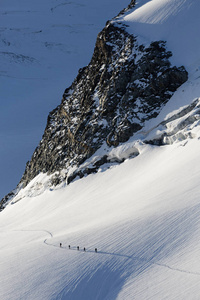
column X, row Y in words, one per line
column 124, row 85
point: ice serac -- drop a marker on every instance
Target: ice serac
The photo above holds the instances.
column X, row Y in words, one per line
column 124, row 85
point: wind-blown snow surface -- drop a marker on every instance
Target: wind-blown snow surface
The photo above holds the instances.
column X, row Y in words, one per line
column 42, row 46
column 174, row 21
column 142, row 215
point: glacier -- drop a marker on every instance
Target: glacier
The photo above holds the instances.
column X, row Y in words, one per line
column 142, row 215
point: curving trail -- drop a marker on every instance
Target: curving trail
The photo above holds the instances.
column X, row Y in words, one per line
column 142, row 260
column 146, row 261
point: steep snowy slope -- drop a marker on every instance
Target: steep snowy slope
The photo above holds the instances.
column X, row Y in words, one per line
column 177, row 22
column 43, row 44
column 141, row 215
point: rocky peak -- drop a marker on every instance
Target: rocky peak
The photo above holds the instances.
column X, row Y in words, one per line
column 124, row 85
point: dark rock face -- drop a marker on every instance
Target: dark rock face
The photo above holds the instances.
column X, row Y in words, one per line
column 5, row 200
column 124, row 85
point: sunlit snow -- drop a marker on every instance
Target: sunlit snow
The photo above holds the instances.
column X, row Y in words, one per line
column 142, row 215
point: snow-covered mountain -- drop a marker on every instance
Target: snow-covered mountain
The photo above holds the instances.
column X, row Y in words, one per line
column 43, row 44
column 139, row 203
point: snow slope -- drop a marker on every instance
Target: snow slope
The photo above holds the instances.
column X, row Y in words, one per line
column 141, row 215
column 42, row 46
column 176, row 21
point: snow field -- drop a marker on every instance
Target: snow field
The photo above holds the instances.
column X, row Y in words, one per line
column 146, row 232
column 142, row 215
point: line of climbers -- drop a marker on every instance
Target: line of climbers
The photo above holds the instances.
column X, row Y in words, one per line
column 84, row 249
